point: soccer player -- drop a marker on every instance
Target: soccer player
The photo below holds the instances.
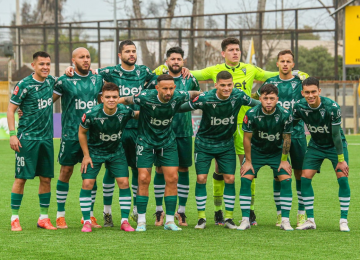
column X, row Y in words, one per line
column 157, row 141
column 267, row 139
column 243, row 76
column 322, row 117
column 78, row 93
column 33, row 144
column 215, row 140
column 290, row 87
column 131, row 79
column 105, row 124
column 182, row 127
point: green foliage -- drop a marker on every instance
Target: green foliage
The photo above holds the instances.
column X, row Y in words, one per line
column 264, row 241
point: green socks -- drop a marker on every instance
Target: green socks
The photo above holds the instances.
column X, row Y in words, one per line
column 170, row 205
column 286, row 198
column 93, row 196
column 183, row 189
column 134, row 185
column 344, row 196
column 245, row 197
column 125, row 202
column 218, row 188
column 141, row 203
column 277, row 189
column 159, row 189
column 16, row 199
column 44, row 204
column 300, row 200
column 200, row 196
column 252, row 205
column 85, row 204
column 229, row 199
column 62, row 189
column 108, row 191
column 307, row 193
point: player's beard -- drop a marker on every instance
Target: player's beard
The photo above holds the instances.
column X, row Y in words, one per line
column 81, row 70
column 175, row 71
column 128, row 62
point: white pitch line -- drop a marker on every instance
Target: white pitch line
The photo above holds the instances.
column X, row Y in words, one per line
column 354, row 144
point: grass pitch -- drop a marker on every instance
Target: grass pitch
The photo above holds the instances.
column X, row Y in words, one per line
column 215, row 242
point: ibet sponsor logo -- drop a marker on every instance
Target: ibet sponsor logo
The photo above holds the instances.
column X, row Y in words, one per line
column 224, row 121
column 43, row 103
column 268, row 137
column 158, row 122
column 320, row 129
column 126, row 91
column 79, row 104
column 287, row 104
column 112, row 138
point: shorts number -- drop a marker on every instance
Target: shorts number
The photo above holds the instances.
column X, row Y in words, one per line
column 139, row 150
column 62, row 147
column 20, row 161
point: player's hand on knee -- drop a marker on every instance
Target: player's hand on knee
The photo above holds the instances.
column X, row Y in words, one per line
column 69, row 71
column 286, row 166
column 246, row 167
column 343, row 167
column 85, row 163
column 15, row 143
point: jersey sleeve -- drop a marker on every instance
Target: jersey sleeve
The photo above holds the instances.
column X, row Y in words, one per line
column 195, row 84
column 335, row 114
column 296, row 112
column 263, row 75
column 203, row 74
column 242, row 97
column 86, row 120
column 19, row 94
column 139, row 99
column 198, row 102
column 105, row 73
column 131, row 113
column 247, row 123
column 288, row 124
column 151, row 84
column 59, row 87
column 184, row 96
column 149, row 75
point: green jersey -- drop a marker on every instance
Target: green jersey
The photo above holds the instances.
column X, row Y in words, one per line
column 130, row 82
column 182, row 122
column 105, row 130
column 35, row 100
column 243, row 77
column 78, row 94
column 289, row 94
column 319, row 121
column 219, row 118
column 267, row 130
column 155, row 119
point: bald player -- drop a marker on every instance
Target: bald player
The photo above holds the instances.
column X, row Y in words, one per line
column 78, row 94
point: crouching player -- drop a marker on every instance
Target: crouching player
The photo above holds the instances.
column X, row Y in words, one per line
column 105, row 123
column 267, row 138
column 322, row 117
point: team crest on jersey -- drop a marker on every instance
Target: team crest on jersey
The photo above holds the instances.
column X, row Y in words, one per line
column 233, row 102
column 183, row 81
column 293, row 84
column 277, row 117
column 173, row 104
column 244, row 70
column 120, row 117
column 120, row 73
column 138, row 72
column 37, row 88
column 93, row 80
column 154, row 106
column 48, row 82
column 322, row 112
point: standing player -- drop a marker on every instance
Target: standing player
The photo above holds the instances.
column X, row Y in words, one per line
column 267, row 139
column 243, row 75
column 157, row 141
column 182, row 127
column 215, row 140
column 322, row 117
column 290, row 87
column 105, row 123
column 131, row 79
column 33, row 144
column 78, row 94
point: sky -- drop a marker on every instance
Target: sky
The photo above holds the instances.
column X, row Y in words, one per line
column 102, row 10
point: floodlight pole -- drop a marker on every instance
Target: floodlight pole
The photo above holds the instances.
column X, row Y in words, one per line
column 115, row 35
column 56, row 42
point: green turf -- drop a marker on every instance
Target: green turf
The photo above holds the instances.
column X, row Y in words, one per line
column 262, row 242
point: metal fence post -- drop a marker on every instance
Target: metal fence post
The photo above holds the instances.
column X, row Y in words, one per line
column 260, row 40
column 296, row 40
column 159, row 35
column 44, row 38
column 99, row 45
column 129, row 30
column 226, row 25
column 180, row 38
column 241, row 44
column 70, row 43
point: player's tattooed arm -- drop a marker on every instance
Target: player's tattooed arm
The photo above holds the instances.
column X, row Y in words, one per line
column 14, row 141
column 284, row 164
column 194, row 94
column 247, row 148
column 84, row 146
column 126, row 100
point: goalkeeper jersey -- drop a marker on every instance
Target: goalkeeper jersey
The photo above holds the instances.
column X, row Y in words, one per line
column 243, row 76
